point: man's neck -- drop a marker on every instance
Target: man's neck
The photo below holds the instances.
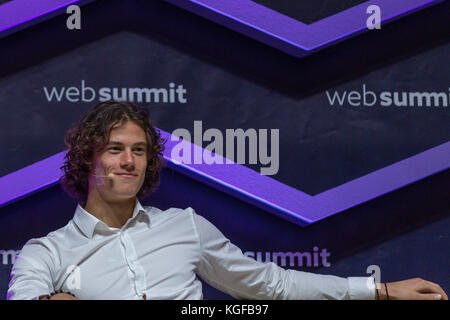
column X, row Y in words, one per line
column 113, row 214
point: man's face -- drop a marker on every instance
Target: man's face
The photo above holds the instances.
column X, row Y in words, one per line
column 123, row 161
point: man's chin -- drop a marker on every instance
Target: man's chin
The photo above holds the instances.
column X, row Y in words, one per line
column 123, row 196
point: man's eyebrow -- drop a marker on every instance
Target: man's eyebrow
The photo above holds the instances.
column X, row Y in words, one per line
column 140, row 143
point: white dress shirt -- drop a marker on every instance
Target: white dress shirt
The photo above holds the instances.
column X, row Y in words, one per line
column 159, row 255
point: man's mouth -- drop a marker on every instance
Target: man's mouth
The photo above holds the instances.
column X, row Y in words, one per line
column 127, row 175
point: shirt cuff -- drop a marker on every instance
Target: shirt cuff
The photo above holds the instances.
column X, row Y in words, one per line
column 361, row 288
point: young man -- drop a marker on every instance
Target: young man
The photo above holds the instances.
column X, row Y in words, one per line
column 114, row 248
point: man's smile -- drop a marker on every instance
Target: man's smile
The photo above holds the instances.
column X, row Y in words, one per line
column 126, row 175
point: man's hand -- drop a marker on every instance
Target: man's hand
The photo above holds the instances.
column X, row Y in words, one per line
column 411, row 289
column 60, row 296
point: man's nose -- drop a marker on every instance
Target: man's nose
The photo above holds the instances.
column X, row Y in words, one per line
column 127, row 158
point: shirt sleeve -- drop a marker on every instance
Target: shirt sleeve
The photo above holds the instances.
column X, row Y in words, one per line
column 31, row 274
column 225, row 267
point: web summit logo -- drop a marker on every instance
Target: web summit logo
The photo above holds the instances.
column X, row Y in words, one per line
column 293, row 259
column 8, row 256
column 173, row 94
column 369, row 98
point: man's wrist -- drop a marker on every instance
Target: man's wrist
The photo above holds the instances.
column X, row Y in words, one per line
column 380, row 291
column 58, row 295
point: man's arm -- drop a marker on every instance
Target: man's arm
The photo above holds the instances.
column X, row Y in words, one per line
column 31, row 275
column 411, row 289
column 224, row 266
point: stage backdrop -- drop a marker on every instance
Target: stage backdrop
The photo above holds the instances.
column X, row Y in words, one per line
column 317, row 123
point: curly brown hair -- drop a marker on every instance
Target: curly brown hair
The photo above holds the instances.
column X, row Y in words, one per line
column 91, row 134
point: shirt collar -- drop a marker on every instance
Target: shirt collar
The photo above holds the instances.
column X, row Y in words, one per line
column 88, row 222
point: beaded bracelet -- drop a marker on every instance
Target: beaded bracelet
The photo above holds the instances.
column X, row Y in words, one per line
column 56, row 292
column 387, row 294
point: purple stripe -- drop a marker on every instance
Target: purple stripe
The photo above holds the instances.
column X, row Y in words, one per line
column 383, row 181
column 31, row 179
column 293, row 36
column 248, row 185
column 19, row 14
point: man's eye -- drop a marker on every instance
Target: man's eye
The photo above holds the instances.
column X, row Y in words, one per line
column 138, row 150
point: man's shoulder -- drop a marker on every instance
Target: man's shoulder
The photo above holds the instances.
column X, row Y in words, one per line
column 168, row 211
column 161, row 215
column 52, row 238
